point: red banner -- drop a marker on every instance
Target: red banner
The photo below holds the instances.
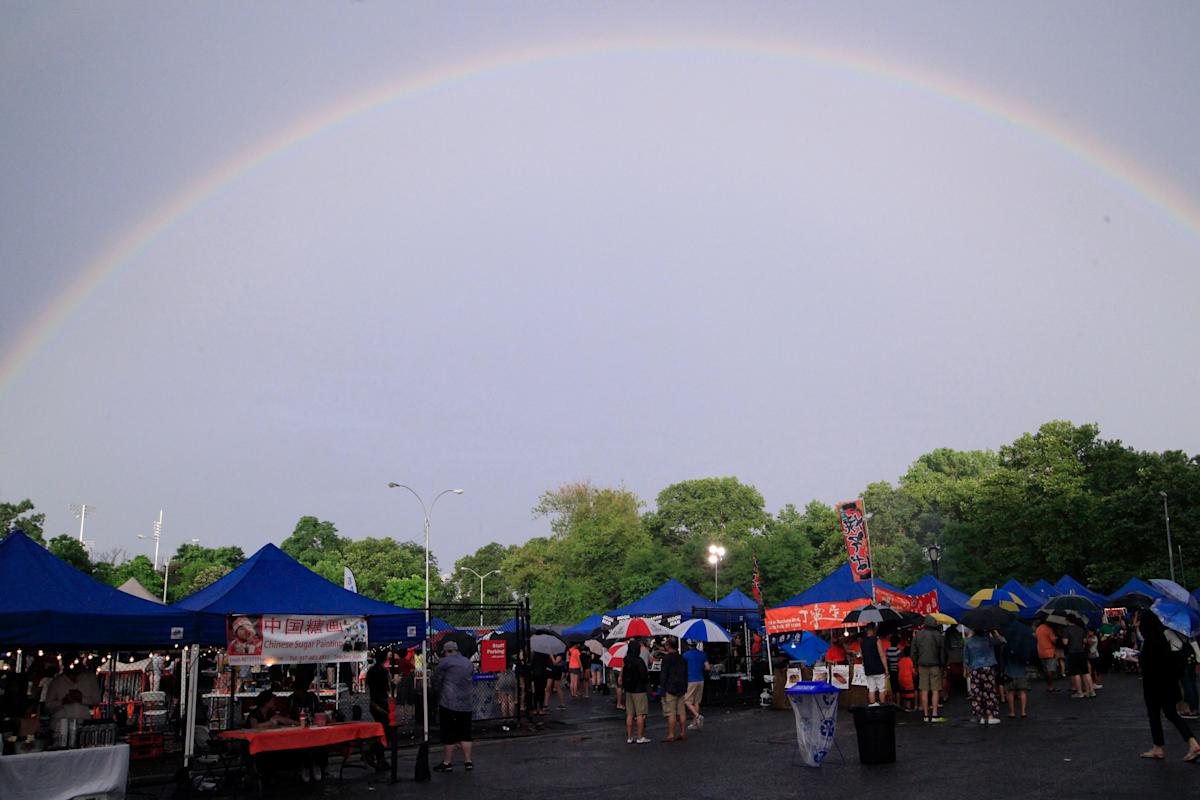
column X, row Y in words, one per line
column 858, row 546
column 492, row 653
column 822, row 616
column 815, row 617
column 917, row 603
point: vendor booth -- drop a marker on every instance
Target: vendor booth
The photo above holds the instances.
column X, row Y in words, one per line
column 1068, row 585
column 950, row 600
column 47, row 604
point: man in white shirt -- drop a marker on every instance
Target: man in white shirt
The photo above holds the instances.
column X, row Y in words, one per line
column 73, row 678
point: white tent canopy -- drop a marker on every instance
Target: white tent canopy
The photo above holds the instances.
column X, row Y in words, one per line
column 136, row 589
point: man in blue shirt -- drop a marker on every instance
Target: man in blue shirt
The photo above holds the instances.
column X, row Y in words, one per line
column 697, row 666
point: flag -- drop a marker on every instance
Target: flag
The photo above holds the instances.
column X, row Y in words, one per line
column 756, row 586
column 858, row 545
column 348, row 580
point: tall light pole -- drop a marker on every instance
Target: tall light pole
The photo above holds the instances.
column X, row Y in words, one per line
column 481, row 577
column 156, row 536
column 1170, row 549
column 424, row 641
column 715, row 554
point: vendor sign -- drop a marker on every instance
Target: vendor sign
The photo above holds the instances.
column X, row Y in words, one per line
column 917, row 603
column 858, row 545
column 493, row 655
column 294, row 639
column 814, row 617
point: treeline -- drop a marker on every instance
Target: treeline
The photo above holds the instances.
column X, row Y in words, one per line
column 1061, row 500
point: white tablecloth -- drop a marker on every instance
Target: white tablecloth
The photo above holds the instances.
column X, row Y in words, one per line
column 65, row 774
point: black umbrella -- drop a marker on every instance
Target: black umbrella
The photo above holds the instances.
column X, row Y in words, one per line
column 1068, row 602
column 908, row 619
column 465, row 641
column 986, row 618
column 870, row 613
column 1132, row 600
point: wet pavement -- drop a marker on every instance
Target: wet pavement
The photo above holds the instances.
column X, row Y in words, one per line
column 1065, row 749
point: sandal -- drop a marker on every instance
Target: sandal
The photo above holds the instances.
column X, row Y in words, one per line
column 1154, row 756
column 1192, row 756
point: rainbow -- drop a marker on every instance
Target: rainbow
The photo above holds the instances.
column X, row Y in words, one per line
column 1152, row 189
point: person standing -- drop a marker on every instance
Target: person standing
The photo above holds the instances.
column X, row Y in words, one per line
column 1160, row 686
column 674, row 678
column 892, row 655
column 1077, row 663
column 539, row 673
column 379, row 686
column 929, row 655
column 635, row 680
column 1047, row 639
column 697, row 664
column 574, row 669
column 874, row 658
column 452, row 684
column 979, row 656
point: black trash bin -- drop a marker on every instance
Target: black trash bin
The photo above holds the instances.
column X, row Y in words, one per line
column 876, row 729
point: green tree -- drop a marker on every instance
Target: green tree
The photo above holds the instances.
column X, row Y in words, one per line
column 374, row 562
column 72, row 551
column 312, row 541
column 786, row 556
column 720, row 510
column 141, row 568
column 206, row 577
column 19, row 516
column 496, row 588
column 405, row 592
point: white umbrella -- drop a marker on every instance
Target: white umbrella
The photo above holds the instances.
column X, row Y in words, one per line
column 638, row 626
column 701, row 630
column 595, row 646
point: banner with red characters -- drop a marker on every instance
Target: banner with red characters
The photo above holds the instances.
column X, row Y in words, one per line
column 858, row 545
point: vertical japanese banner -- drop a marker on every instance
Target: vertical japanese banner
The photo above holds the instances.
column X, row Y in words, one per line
column 858, row 546
column 294, row 639
column 756, row 586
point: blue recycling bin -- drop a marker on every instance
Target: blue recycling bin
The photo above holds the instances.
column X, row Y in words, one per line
column 814, row 706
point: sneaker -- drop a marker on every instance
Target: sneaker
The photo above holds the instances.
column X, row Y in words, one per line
column 642, row 740
column 692, row 726
column 937, row 719
column 993, row 721
column 444, row 767
column 629, row 740
column 469, row 765
column 1097, row 685
column 700, row 721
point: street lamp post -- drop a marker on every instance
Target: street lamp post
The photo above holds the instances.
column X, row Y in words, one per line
column 1170, row 549
column 715, row 554
column 425, row 640
column 481, row 577
column 934, row 553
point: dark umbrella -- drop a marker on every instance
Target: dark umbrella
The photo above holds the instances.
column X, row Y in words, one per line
column 465, row 641
column 908, row 619
column 986, row 618
column 870, row 613
column 1132, row 600
column 1068, row 602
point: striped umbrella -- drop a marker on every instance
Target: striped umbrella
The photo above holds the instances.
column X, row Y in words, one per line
column 614, row 657
column 638, row 626
column 701, row 630
column 996, row 597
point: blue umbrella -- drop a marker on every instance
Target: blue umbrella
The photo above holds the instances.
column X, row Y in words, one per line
column 700, row 630
column 1177, row 616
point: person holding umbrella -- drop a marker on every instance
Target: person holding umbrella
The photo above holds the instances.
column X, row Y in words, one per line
column 1160, row 686
column 635, row 679
column 979, row 656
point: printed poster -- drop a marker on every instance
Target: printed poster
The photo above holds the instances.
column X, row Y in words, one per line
column 294, row 639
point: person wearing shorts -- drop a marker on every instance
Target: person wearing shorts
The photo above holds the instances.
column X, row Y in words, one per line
column 635, row 679
column 452, row 684
column 574, row 669
column 674, row 681
column 929, row 654
column 1047, row 640
column 697, row 668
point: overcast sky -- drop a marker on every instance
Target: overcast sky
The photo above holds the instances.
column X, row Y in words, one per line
column 634, row 265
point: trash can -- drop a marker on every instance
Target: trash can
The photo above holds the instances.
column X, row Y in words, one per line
column 876, row 729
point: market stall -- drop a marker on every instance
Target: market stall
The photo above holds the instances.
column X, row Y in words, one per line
column 68, row 746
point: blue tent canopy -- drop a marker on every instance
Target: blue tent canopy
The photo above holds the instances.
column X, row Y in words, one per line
column 670, row 598
column 584, row 628
column 836, row 587
column 272, row 582
column 1136, row 585
column 1068, row 585
column 45, row 601
column 738, row 599
column 1030, row 598
column 950, row 600
column 1044, row 588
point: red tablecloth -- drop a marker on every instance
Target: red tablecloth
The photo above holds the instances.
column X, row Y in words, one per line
column 266, row 741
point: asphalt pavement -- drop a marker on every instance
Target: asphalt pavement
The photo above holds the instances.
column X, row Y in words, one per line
column 1065, row 749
